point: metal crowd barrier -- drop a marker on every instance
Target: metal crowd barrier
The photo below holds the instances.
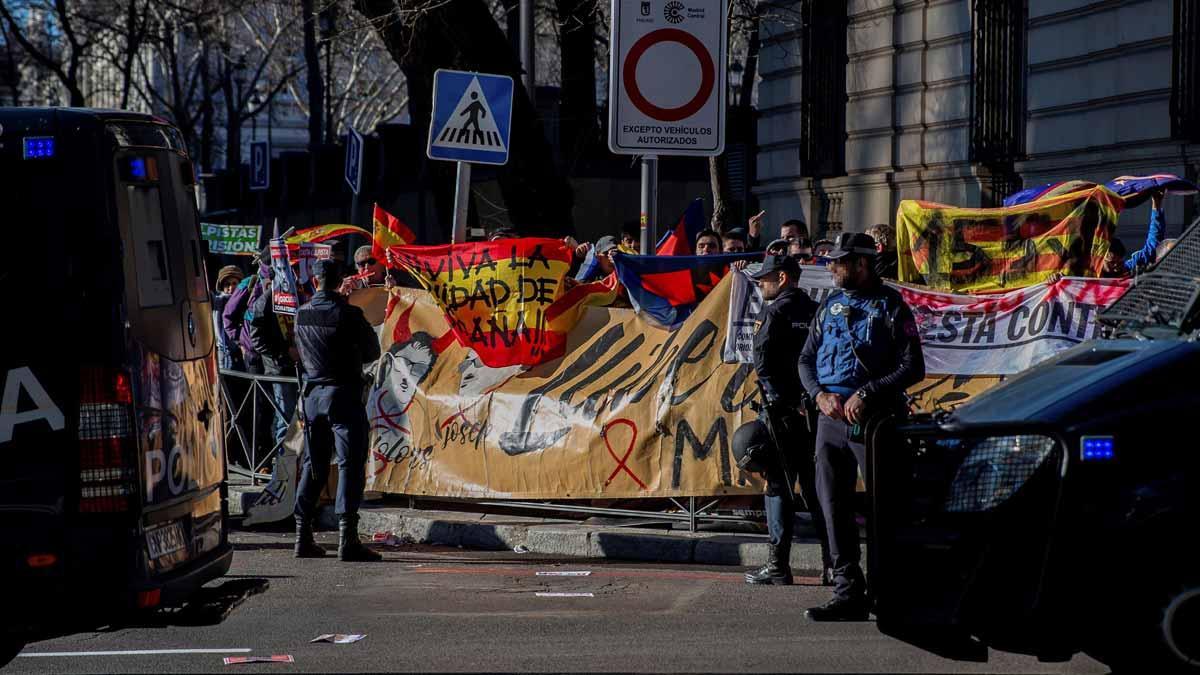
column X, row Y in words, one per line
column 244, row 459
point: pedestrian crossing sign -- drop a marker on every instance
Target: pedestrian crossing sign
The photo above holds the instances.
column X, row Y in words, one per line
column 472, row 115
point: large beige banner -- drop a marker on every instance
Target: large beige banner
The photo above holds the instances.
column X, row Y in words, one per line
column 631, row 410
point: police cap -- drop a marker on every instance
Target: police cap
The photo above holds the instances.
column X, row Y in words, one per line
column 852, row 243
column 774, row 264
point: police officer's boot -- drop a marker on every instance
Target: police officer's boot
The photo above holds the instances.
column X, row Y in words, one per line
column 306, row 546
column 350, row 549
column 777, row 571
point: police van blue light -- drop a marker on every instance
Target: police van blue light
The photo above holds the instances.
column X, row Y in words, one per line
column 39, row 147
column 1097, row 448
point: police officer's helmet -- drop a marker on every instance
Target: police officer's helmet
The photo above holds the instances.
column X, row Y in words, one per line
column 753, row 449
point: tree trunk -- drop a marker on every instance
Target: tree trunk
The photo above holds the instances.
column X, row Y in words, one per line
column 464, row 35
column 750, row 74
column 316, row 87
column 577, row 30
column 207, row 129
column 719, row 182
column 233, row 124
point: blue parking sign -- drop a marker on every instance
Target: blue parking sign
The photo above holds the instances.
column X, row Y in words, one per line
column 472, row 116
column 260, row 165
column 354, row 160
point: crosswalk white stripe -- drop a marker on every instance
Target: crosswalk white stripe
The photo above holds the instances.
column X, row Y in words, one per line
column 137, row 652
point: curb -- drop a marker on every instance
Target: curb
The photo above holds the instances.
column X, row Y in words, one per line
column 571, row 539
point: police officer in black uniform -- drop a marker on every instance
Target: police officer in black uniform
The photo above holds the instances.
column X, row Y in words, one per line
column 861, row 355
column 777, row 344
column 334, row 341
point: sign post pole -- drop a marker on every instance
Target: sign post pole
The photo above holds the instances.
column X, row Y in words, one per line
column 649, row 219
column 462, row 197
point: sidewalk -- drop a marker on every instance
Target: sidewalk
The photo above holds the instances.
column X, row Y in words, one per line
column 569, row 538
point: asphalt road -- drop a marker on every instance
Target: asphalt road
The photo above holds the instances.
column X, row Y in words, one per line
column 431, row 609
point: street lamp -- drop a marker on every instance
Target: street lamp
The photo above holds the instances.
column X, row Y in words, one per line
column 327, row 23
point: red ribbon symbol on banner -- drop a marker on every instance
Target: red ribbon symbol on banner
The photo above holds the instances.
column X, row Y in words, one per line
column 621, row 465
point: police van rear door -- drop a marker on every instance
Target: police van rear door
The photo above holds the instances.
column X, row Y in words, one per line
column 39, row 363
column 171, row 348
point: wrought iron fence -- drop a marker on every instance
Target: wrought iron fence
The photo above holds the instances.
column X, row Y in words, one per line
column 242, row 447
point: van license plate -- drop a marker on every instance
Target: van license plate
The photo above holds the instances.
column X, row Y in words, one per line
column 165, row 540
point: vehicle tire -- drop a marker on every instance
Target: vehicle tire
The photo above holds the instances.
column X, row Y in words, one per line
column 1164, row 637
column 10, row 645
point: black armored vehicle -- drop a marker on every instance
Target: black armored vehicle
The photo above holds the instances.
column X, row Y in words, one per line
column 1056, row 513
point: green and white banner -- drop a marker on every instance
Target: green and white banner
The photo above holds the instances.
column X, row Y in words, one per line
column 231, row 239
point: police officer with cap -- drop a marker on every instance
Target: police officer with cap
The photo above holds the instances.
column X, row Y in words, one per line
column 861, row 355
column 334, row 341
column 777, row 343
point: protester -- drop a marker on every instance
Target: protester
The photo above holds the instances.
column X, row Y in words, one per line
column 822, row 247
column 708, row 242
column 1164, row 248
column 233, row 318
column 778, row 247
column 790, row 229
column 1119, row 263
column 268, row 337
column 599, row 263
column 778, row 340
column 503, row 233
column 228, row 279
column 373, row 272
column 334, row 341
column 861, row 355
column 734, row 241
column 886, row 261
column 631, row 238
column 801, row 249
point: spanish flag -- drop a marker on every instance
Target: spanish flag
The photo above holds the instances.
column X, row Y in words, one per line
column 505, row 299
column 324, row 233
column 388, row 231
column 965, row 250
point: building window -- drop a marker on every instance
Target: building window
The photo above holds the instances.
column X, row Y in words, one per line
column 998, row 101
column 1185, row 73
column 823, row 88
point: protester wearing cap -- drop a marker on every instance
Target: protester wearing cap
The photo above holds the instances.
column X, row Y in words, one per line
column 734, row 241
column 228, row 278
column 859, row 359
column 334, row 341
column 777, row 343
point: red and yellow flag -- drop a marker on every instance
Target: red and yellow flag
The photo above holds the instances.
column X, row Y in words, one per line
column 974, row 250
column 505, row 299
column 388, row 231
column 323, row 233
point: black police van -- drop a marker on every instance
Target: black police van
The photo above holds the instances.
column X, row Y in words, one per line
column 112, row 459
column 1056, row 513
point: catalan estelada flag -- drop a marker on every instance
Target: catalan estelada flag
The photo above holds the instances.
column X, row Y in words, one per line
column 324, row 233
column 974, row 250
column 1133, row 189
column 668, row 288
column 387, row 231
column 505, row 299
column 680, row 240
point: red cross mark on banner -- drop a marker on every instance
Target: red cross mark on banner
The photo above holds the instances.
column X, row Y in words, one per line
column 621, row 461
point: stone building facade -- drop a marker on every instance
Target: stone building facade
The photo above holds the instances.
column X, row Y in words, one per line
column 864, row 103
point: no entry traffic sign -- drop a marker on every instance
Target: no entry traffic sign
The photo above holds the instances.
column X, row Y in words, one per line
column 667, row 77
